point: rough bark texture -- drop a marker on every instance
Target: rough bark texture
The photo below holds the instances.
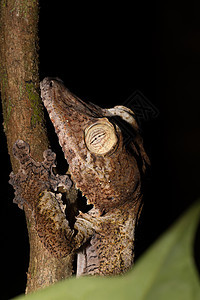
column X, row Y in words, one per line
column 24, row 119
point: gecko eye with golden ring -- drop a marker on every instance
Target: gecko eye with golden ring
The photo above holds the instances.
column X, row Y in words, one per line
column 100, row 138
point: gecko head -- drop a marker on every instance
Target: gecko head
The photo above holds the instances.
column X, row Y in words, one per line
column 102, row 165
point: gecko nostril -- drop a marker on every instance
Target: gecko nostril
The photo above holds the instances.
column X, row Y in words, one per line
column 51, row 83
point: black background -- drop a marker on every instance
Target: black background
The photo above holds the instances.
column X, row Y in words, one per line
column 104, row 53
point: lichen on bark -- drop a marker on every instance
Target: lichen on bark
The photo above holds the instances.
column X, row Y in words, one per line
column 33, row 96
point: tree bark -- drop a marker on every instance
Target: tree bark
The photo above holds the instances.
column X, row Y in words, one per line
column 24, row 118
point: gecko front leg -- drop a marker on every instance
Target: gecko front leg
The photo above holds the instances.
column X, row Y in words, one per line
column 34, row 177
column 35, row 186
column 53, row 227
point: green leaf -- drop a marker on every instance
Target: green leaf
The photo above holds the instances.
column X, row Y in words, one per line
column 166, row 271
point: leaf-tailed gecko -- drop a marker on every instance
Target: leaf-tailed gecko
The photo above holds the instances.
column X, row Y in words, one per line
column 105, row 168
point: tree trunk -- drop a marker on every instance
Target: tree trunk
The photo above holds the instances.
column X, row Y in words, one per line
column 24, row 118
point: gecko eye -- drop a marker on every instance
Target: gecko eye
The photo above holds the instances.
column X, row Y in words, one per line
column 100, row 138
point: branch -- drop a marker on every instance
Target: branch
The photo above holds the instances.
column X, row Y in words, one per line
column 24, row 118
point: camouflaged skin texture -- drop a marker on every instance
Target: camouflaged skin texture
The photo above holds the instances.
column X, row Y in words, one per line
column 110, row 251
column 35, row 186
column 111, row 182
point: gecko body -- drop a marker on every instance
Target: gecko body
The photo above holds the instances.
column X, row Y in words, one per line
column 106, row 171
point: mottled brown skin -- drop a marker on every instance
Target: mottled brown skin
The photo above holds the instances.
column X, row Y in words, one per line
column 111, row 248
column 31, row 184
column 110, row 181
column 35, row 186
